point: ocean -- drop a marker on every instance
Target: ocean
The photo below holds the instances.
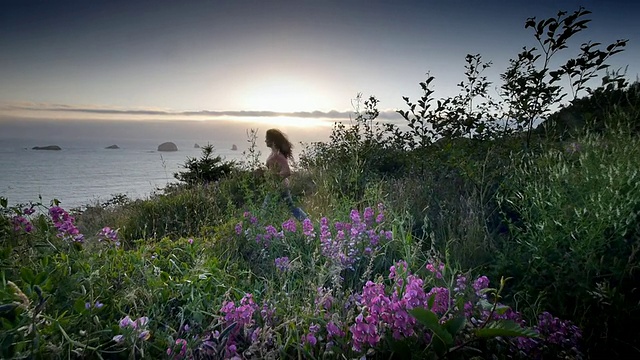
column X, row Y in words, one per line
column 85, row 172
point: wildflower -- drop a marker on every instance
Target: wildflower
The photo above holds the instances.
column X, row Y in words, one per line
column 238, row 228
column 126, row 322
column 307, row 228
column 461, row 283
column 355, row 216
column 282, row 263
column 334, row 330
column 289, row 225
column 141, row 322
column 98, row 305
column 368, row 215
column 190, row 241
column 480, row 284
column 87, row 305
column 310, row 339
column 441, row 299
column 437, row 271
column 118, row 338
column 145, row 335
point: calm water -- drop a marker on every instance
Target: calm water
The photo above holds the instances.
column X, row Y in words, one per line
column 84, row 171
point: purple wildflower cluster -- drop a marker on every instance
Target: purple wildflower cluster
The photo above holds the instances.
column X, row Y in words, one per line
column 560, row 337
column 20, row 221
column 64, row 223
column 110, row 235
column 347, row 242
column 242, row 316
column 138, row 327
column 262, row 235
column 380, row 312
column 282, row 263
column 179, row 350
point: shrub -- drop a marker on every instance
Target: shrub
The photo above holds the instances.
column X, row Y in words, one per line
column 574, row 227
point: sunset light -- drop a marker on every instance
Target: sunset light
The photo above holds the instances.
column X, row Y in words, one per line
column 281, row 94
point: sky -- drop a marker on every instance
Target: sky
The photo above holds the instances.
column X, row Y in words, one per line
column 293, row 64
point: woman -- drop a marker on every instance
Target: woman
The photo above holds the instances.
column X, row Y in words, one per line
column 278, row 165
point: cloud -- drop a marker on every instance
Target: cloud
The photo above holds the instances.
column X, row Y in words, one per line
column 330, row 115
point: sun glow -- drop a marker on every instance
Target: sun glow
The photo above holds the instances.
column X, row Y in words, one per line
column 281, row 94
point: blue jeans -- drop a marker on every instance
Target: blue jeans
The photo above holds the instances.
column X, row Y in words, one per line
column 285, row 195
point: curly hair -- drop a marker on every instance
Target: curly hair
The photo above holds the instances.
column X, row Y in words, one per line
column 281, row 142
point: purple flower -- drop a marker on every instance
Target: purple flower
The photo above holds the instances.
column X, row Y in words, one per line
column 310, row 339
column 282, row 263
column 307, row 228
column 368, row 215
column 118, row 338
column 190, row 241
column 436, row 269
column 480, row 284
column 333, row 330
column 141, row 322
column 355, row 216
column 144, row 335
column 238, row 228
column 126, row 322
column 289, row 225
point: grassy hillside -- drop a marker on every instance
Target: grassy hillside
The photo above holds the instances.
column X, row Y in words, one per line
column 463, row 233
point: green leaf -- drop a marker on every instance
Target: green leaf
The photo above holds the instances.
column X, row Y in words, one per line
column 27, row 275
column 505, row 328
column 429, row 319
column 454, row 325
column 79, row 305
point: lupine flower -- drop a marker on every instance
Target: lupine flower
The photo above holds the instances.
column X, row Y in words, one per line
column 238, row 228
column 21, row 223
column 108, row 234
column 144, row 335
column 141, row 322
column 307, row 228
column 289, row 225
column 355, row 216
column 333, row 330
column 118, row 338
column 282, row 263
column 181, row 345
column 126, row 322
column 436, row 269
column 480, row 284
column 310, row 339
column 63, row 222
column 461, row 284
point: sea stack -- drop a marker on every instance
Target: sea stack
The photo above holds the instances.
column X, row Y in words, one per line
column 48, row 147
column 167, row 146
column 234, row 147
column 114, row 146
column 196, row 146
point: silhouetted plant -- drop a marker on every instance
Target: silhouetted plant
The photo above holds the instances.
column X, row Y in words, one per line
column 206, row 169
